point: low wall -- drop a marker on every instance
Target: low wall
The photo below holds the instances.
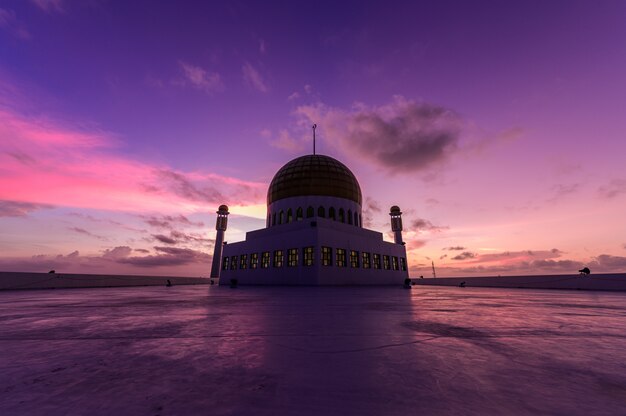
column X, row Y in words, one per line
column 18, row 280
column 614, row 282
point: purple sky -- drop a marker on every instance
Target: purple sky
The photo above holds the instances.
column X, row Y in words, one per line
column 498, row 128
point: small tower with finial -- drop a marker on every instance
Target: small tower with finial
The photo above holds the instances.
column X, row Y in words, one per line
column 314, row 127
column 220, row 226
column 396, row 224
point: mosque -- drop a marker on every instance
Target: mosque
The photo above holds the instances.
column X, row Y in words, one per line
column 313, row 234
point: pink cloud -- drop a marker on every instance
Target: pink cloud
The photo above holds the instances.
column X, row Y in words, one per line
column 49, row 163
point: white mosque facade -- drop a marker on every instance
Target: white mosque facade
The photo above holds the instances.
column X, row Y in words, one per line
column 314, row 234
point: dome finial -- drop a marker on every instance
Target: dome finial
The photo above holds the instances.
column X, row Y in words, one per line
column 314, row 127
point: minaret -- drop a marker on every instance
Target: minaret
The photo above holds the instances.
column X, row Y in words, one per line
column 220, row 226
column 396, row 224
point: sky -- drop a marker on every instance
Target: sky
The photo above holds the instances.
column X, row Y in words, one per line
column 498, row 128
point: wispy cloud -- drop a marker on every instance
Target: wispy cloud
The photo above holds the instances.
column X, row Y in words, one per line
column 201, row 79
column 253, row 78
column 87, row 233
column 20, row 209
column 10, row 23
column 420, row 225
column 50, row 6
column 454, row 248
column 286, row 141
column 614, row 189
column 464, row 256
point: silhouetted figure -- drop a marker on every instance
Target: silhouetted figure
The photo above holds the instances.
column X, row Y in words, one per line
column 169, row 284
column 233, row 283
column 407, row 283
column 462, row 284
column 52, row 271
column 585, row 271
column 421, row 277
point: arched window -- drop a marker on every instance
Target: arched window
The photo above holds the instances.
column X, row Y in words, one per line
column 321, row 212
column 342, row 215
column 310, row 212
column 360, row 221
column 331, row 213
column 281, row 217
column 356, row 219
column 267, row 221
column 349, row 216
column 299, row 214
column 289, row 215
column 274, row 219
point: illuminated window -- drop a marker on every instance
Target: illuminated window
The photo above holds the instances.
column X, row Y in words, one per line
column 341, row 257
column 376, row 260
column 289, row 215
column 225, row 263
column 342, row 215
column 331, row 213
column 243, row 261
column 299, row 214
column 310, row 212
column 308, row 254
column 403, row 264
column 394, row 263
column 366, row 260
column 350, row 216
column 321, row 212
column 233, row 262
column 279, row 258
column 386, row 264
column 354, row 259
column 254, row 260
column 327, row 256
column 292, row 257
column 265, row 260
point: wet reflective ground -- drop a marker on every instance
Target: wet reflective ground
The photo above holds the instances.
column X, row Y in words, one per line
column 312, row 351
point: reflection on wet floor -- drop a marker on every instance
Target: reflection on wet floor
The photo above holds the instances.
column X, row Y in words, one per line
column 309, row 351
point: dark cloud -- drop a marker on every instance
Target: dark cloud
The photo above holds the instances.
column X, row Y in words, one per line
column 443, row 257
column 117, row 253
column 191, row 237
column 23, row 158
column 562, row 190
column 85, row 232
column 164, row 239
column 420, row 225
column 20, row 209
column 465, row 255
column 141, row 250
column 168, row 221
column 184, row 187
column 168, row 256
column 454, row 248
column 613, row 189
column 402, row 136
column 610, row 263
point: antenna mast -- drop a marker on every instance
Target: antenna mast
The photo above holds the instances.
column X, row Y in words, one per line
column 314, row 127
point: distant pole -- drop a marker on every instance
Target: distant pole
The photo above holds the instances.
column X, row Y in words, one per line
column 434, row 275
column 314, row 127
